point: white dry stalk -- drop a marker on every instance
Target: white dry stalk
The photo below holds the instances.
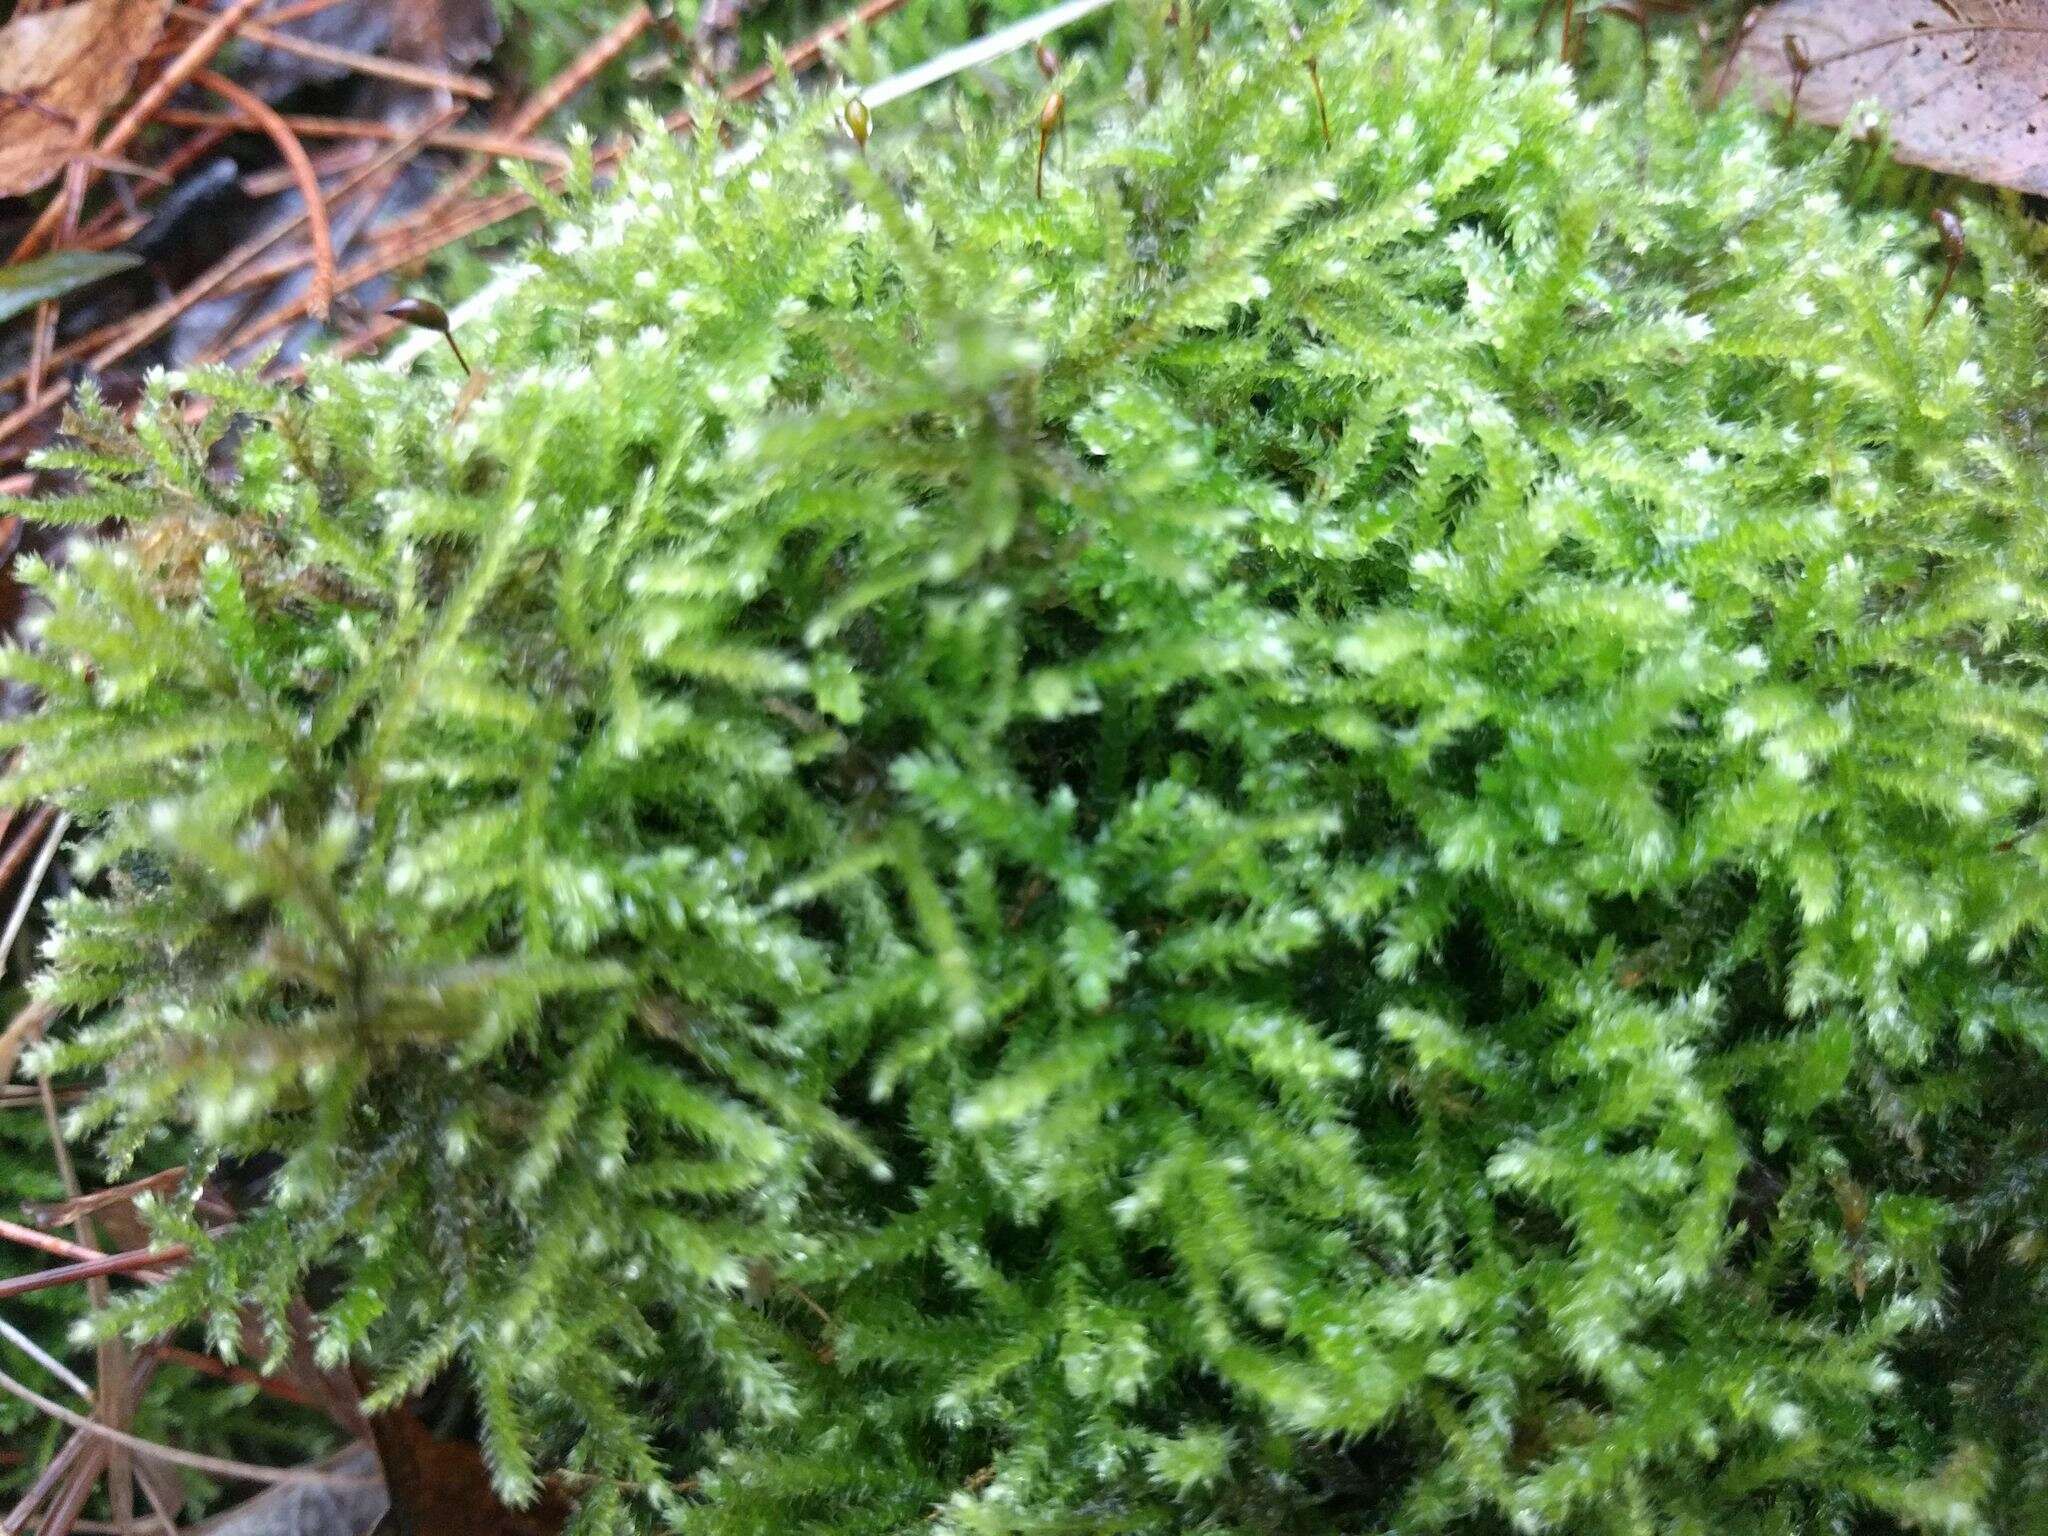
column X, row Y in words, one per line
column 940, row 67
column 35, row 884
column 45, row 1359
column 956, row 60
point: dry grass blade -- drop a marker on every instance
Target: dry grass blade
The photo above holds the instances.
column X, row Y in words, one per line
column 45, row 1359
column 980, row 51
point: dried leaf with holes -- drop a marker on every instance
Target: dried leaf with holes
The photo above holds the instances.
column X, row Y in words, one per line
column 1962, row 81
column 60, row 72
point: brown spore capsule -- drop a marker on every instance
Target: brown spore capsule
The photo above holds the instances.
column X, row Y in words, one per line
column 426, row 315
column 1800, row 62
column 1049, row 117
column 1954, row 246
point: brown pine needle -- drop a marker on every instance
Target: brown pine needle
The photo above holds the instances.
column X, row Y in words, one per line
column 500, row 145
column 549, row 99
column 441, row 223
column 45, row 1359
column 321, row 295
column 46, row 1481
column 47, row 1242
column 92, row 1269
column 69, row 1503
column 215, row 1466
column 233, row 272
column 23, row 846
column 355, row 63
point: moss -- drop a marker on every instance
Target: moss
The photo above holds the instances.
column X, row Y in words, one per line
column 1304, row 837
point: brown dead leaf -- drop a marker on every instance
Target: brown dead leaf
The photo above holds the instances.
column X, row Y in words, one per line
column 310, row 1509
column 442, row 1487
column 332, row 1390
column 60, row 72
column 1962, row 81
column 445, row 34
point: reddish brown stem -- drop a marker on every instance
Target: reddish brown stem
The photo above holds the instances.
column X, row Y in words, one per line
column 1800, row 62
column 47, row 1242
column 1748, row 24
column 1954, row 246
column 220, row 1370
column 1048, row 124
column 107, row 1264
